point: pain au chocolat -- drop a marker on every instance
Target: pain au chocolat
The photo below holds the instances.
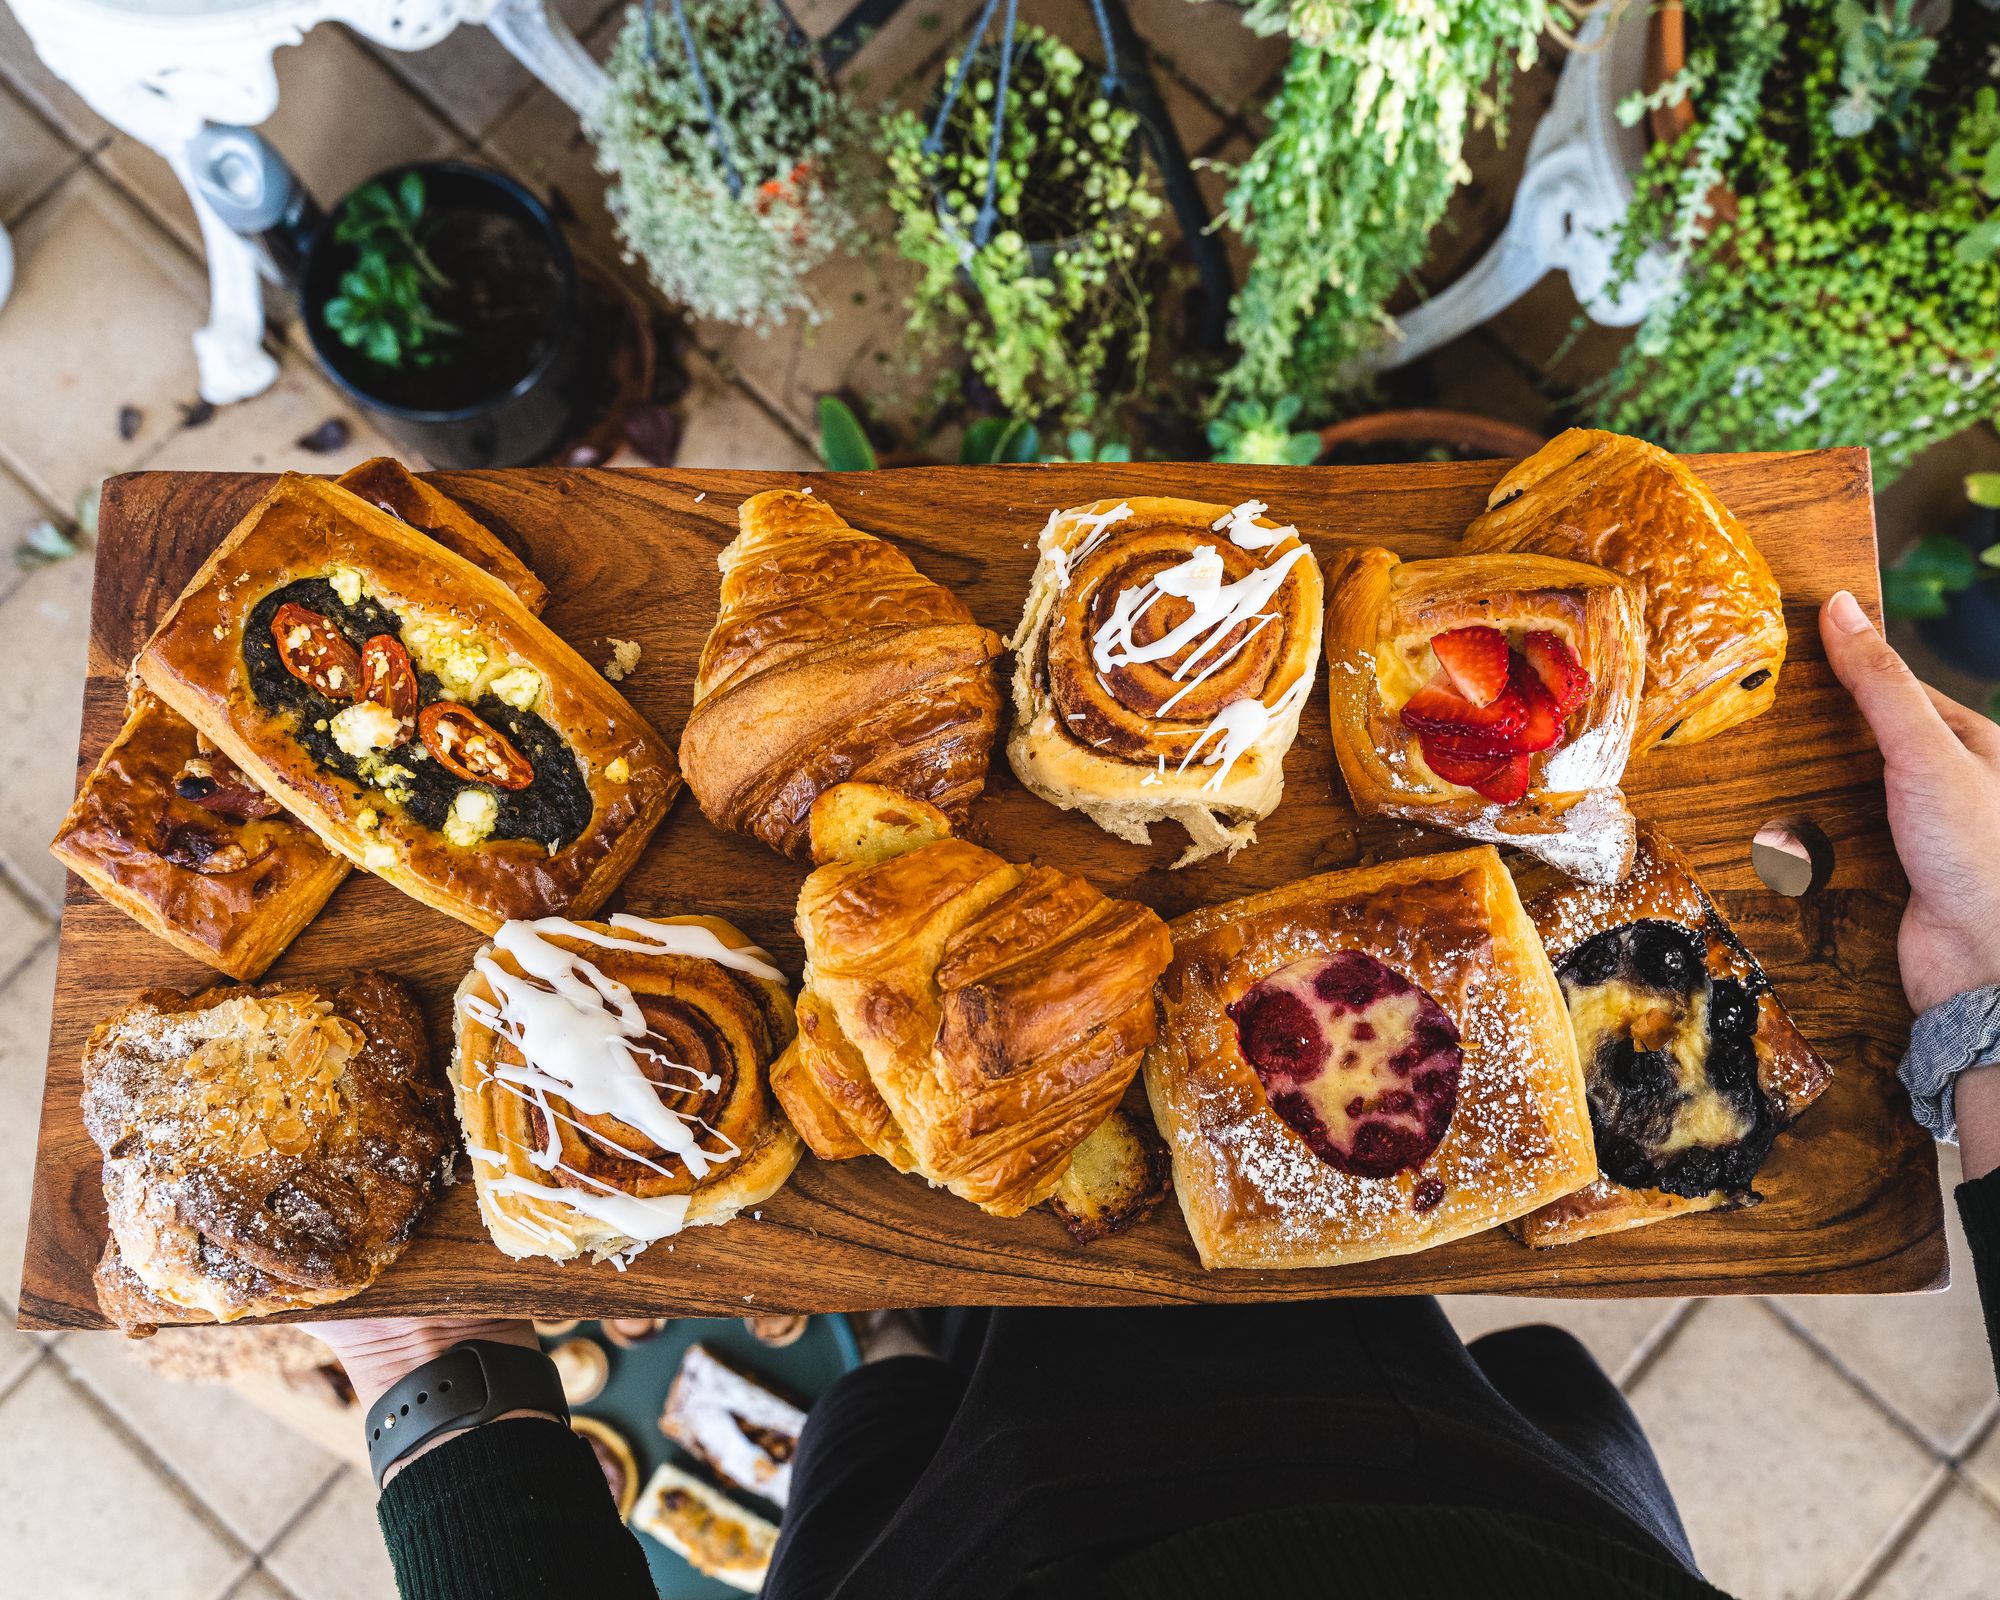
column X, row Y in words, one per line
column 1715, row 622
column 1365, row 1064
column 1692, row 1064
column 410, row 709
column 833, row 660
column 1492, row 696
column 1161, row 664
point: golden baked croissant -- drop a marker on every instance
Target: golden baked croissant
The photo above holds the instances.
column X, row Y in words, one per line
column 1490, row 696
column 832, row 659
column 611, row 1081
column 964, row 1018
column 1715, row 622
column 1164, row 655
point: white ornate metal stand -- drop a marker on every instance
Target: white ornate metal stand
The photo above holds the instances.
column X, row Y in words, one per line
column 1567, row 210
column 160, row 69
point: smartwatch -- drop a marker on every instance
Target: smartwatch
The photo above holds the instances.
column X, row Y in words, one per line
column 472, row 1382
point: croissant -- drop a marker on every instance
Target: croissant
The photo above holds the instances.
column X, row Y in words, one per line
column 964, row 1018
column 833, row 659
column 1161, row 664
column 1715, row 622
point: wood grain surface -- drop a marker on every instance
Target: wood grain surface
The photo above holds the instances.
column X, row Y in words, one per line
column 1852, row 1201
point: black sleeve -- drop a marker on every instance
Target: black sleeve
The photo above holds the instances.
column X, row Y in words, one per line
column 513, row 1509
column 1979, row 1207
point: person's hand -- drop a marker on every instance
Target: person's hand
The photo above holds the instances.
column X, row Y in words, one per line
column 1941, row 766
column 375, row 1352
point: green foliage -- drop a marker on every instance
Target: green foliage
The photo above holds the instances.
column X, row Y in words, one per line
column 843, row 445
column 1080, row 444
column 383, row 304
column 1836, row 305
column 1251, row 431
column 1051, row 311
column 996, row 441
column 1365, row 148
column 1884, row 55
column 795, row 142
column 1936, row 567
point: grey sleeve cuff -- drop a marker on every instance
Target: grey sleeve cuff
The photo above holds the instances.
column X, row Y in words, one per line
column 1962, row 1032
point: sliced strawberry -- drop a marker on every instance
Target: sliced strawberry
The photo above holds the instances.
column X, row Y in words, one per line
column 1475, row 659
column 1542, row 728
column 1452, row 761
column 1557, row 667
column 1439, row 708
column 1506, row 783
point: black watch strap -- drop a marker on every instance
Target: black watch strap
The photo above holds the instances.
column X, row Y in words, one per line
column 468, row 1384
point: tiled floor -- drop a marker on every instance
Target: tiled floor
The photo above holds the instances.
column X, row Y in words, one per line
column 1819, row 1448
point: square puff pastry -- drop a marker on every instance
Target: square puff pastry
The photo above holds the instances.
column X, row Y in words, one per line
column 1382, row 616
column 1789, row 1073
column 1715, row 622
column 1255, row 1191
column 200, row 663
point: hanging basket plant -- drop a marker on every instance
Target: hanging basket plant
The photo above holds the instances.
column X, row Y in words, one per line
column 1831, row 207
column 1033, row 254
column 733, row 158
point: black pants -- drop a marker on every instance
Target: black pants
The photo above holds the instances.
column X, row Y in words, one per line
column 1045, row 1435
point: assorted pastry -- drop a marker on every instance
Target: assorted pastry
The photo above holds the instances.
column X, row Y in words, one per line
column 614, row 1458
column 1360, row 1064
column 740, row 1429
column 1160, row 667
column 1490, row 696
column 711, row 1532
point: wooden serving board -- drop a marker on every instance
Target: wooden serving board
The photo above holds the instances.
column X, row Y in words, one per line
column 1852, row 1198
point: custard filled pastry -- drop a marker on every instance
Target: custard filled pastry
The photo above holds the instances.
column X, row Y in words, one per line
column 1691, row 1063
column 1490, row 696
column 964, row 1018
column 265, row 1149
column 410, row 709
column 1161, row 664
column 1715, row 622
column 833, row 659
column 705, row 1528
column 612, row 1081
column 1365, row 1064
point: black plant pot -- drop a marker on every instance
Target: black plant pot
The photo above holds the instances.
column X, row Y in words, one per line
column 505, row 392
column 1967, row 636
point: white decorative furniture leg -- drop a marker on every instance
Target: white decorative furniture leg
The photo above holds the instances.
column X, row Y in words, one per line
column 6, row 267
column 230, row 360
column 543, row 44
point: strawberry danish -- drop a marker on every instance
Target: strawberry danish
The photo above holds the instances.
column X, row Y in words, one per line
column 1489, row 696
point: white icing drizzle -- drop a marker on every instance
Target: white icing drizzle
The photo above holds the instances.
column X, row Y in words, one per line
column 1098, row 522
column 1221, row 661
column 579, row 1036
column 1215, row 607
column 1238, row 726
column 1240, row 522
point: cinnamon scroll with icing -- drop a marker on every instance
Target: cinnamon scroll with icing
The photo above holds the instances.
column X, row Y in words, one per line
column 613, row 1081
column 1166, row 651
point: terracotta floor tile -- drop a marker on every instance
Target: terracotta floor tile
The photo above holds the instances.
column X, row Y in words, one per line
column 32, row 155
column 42, row 89
column 470, row 75
column 885, row 64
column 24, row 925
column 1925, row 1354
column 101, row 318
column 342, row 116
column 85, row 1515
column 1983, row 1465
column 44, row 624
column 336, row 1552
column 1210, row 46
column 262, row 434
column 251, row 1470
column 20, row 509
column 726, row 428
column 1953, row 1555
column 1815, row 1476
column 24, row 1047
column 18, row 1351
column 1613, row 1330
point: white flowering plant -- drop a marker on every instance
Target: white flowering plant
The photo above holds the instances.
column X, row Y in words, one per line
column 729, row 215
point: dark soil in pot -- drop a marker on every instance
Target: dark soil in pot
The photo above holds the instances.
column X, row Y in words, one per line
column 1394, row 437
column 1967, row 636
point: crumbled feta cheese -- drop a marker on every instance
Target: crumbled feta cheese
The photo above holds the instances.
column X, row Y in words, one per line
column 364, row 727
column 345, row 582
column 520, row 687
column 378, row 856
column 624, row 658
column 367, row 819
column 618, row 770
column 457, row 660
column 473, row 813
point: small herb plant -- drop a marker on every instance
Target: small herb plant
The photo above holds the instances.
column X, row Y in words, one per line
column 1365, row 148
column 729, row 217
column 383, row 305
column 1051, row 309
column 1884, row 53
column 1252, row 432
column 1938, row 566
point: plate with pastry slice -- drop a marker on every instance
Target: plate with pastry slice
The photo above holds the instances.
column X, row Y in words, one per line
column 1365, row 1064
column 1715, row 621
column 1692, row 1064
column 1165, row 653
column 266, row 1148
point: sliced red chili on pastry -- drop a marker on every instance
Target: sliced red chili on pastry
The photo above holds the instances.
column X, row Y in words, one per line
column 470, row 747
column 388, row 680
column 316, row 652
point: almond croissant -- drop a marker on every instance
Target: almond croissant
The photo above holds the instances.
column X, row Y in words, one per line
column 833, row 659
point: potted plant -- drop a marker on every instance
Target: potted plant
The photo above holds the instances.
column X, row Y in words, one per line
column 1830, row 200
column 734, row 160
column 1050, row 304
column 1949, row 583
column 443, row 299
column 1365, row 147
